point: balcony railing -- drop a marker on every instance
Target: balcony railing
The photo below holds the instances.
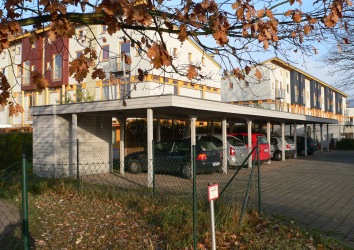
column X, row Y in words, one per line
column 280, row 94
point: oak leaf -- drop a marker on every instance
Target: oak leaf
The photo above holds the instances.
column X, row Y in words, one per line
column 192, row 72
column 258, row 74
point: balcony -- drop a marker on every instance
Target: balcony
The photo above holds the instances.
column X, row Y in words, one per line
column 117, row 66
column 280, row 94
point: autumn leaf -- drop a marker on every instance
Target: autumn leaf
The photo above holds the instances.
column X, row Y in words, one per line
column 98, row 73
column 39, row 80
column 182, row 35
column 288, row 13
column 258, row 74
column 192, row 72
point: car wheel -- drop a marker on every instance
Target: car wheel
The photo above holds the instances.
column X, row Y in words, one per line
column 134, row 167
column 186, row 170
column 277, row 155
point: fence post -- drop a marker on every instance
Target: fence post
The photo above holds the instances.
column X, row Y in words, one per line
column 24, row 204
column 77, row 165
column 194, row 198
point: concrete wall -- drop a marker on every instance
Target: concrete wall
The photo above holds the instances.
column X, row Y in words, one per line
column 55, row 147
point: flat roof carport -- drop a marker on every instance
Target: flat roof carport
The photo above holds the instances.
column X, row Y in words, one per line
column 173, row 106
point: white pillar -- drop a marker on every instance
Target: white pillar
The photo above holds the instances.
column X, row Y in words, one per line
column 268, row 139
column 122, row 123
column 305, row 138
column 295, row 140
column 150, row 137
column 249, row 131
column 158, row 130
column 321, row 141
column 283, row 141
column 327, row 138
column 224, row 146
column 192, row 122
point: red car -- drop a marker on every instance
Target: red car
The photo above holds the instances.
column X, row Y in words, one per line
column 262, row 141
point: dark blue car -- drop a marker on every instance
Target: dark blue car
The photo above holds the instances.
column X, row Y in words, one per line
column 175, row 157
column 312, row 145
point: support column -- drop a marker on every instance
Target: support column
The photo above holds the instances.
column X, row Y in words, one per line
column 321, row 141
column 290, row 132
column 268, row 139
column 24, row 107
column 295, row 140
column 62, row 94
column 192, row 122
column 305, row 138
column 314, row 132
column 224, row 146
column 150, row 137
column 122, row 123
column 327, row 138
column 283, row 141
column 249, row 131
column 46, row 96
column 158, row 130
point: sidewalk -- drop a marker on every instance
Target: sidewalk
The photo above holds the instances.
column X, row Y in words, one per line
column 317, row 191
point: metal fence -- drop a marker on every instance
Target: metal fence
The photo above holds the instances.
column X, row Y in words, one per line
column 79, row 197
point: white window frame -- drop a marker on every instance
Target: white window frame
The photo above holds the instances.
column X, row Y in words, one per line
column 26, row 80
column 57, row 72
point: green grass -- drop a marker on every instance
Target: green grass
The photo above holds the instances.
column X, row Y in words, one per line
column 101, row 217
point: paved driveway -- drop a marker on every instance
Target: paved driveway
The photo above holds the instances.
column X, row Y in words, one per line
column 317, row 191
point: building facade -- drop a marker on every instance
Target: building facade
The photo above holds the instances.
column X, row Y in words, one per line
column 286, row 88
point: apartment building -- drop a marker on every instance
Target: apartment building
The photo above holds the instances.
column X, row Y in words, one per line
column 286, row 88
column 52, row 59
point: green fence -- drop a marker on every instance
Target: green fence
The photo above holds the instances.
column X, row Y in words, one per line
column 84, row 200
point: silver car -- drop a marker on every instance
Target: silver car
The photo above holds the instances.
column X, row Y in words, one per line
column 236, row 149
column 276, row 147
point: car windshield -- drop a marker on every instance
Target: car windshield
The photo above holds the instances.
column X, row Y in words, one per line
column 288, row 140
column 163, row 146
column 234, row 141
column 262, row 140
column 207, row 146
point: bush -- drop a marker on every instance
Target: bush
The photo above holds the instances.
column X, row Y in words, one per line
column 12, row 146
column 345, row 143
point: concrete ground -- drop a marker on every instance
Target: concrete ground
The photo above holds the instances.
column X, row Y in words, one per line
column 317, row 191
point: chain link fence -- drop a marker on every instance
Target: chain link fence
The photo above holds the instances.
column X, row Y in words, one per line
column 80, row 198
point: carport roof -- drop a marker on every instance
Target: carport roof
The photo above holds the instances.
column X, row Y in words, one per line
column 178, row 107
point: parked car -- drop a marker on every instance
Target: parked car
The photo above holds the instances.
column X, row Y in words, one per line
column 236, row 149
column 175, row 157
column 312, row 145
column 264, row 154
column 276, row 146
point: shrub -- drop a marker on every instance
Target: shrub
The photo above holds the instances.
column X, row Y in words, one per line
column 345, row 143
column 12, row 146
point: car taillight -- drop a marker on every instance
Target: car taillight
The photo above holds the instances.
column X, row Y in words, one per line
column 232, row 151
column 202, row 157
column 311, row 144
column 288, row 146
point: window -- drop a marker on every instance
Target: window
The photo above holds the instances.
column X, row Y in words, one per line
column 80, row 34
column 231, row 85
column 26, row 72
column 105, row 52
column 19, row 71
column 57, row 66
column 174, row 51
column 34, row 45
column 272, row 85
column 287, row 88
column 138, row 51
column 78, row 53
column 125, row 48
column 247, row 84
column 103, row 29
column 287, row 74
column 18, row 50
column 203, row 61
column 189, row 57
column 33, row 68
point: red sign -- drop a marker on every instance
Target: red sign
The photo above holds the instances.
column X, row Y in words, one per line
column 213, row 192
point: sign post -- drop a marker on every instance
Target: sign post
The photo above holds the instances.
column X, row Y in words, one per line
column 213, row 194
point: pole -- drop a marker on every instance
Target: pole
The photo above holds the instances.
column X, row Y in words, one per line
column 212, row 222
column 24, row 204
column 259, row 182
column 194, row 199
column 77, row 165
